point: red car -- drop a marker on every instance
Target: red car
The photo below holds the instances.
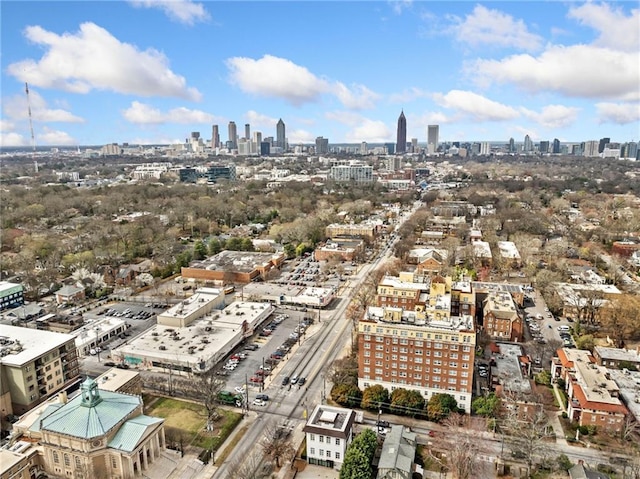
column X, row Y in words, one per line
column 256, row 379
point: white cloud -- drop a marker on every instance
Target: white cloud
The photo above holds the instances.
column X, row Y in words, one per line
column 575, row 71
column 155, row 141
column 259, row 120
column 16, row 108
column 300, row 136
column 495, row 28
column 181, row 11
column 617, row 30
column 398, row 6
column 362, row 128
column 359, row 97
column 618, row 113
column 6, row 125
column 407, row 95
column 143, row 114
column 553, row 116
column 526, row 131
column 476, row 106
column 10, row 138
column 92, row 59
column 54, row 137
column 277, row 77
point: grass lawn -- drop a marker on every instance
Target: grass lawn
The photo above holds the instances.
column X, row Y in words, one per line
column 190, row 419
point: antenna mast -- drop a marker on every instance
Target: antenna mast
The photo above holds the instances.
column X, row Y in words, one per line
column 33, row 138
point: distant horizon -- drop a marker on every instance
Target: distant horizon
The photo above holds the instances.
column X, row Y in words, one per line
column 149, row 72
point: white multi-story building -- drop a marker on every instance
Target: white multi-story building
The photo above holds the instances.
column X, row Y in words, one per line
column 328, row 431
column 354, row 171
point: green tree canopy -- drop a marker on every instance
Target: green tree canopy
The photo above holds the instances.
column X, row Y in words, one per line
column 440, row 406
column 347, row 395
column 407, row 402
column 374, row 398
column 487, row 406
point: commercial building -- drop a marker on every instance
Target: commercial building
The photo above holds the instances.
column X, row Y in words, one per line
column 120, row 380
column 433, row 133
column 427, row 349
column 69, row 294
column 233, row 136
column 281, row 137
column 367, row 229
column 201, row 303
column 11, row 295
column 341, row 249
column 617, row 358
column 306, row 296
column 34, row 365
column 328, row 432
column 95, row 332
column 322, row 146
column 401, row 142
column 234, row 267
column 355, row 171
column 216, row 173
column 198, row 346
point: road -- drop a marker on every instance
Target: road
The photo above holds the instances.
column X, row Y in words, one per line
column 310, row 360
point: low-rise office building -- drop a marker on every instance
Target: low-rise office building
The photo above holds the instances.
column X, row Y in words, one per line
column 11, row 295
column 329, row 433
column 234, row 267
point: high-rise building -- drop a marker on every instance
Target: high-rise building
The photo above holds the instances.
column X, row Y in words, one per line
column 322, row 146
column 485, row 148
column 556, row 146
column 544, row 147
column 247, row 131
column 603, row 144
column 528, row 144
column 401, row 140
column 433, row 132
column 364, row 149
column 512, row 145
column 590, row 149
column 233, row 135
column 281, row 137
column 414, row 145
column 215, row 137
column 265, row 148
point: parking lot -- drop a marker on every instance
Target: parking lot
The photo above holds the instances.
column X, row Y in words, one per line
column 253, row 363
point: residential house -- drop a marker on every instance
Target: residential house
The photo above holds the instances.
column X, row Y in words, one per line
column 70, row 293
column 398, row 452
column 500, row 317
column 617, row 357
column 329, row 432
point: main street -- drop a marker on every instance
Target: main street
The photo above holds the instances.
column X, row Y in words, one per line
column 311, row 360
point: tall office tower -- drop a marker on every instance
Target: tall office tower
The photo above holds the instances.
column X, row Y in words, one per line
column 556, row 146
column 512, row 145
column 257, row 137
column 632, row 151
column 247, row 131
column 544, row 147
column 603, row 144
column 233, row 135
column 528, row 144
column 433, row 132
column 322, row 146
column 215, row 137
column 485, row 148
column 401, row 140
column 590, row 149
column 364, row 149
column 414, row 145
column 280, row 134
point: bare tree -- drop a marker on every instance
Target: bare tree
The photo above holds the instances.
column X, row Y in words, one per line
column 276, row 443
column 206, row 388
column 248, row 467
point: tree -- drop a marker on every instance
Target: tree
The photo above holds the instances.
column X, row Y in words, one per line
column 487, row 406
column 206, row 388
column 344, row 371
column 406, row 402
column 374, row 398
column 348, row 395
column 276, row 443
column 358, row 459
column 620, row 321
column 249, row 467
column 586, row 341
column 199, row 250
column 440, row 405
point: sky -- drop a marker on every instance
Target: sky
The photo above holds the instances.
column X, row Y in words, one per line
column 151, row 72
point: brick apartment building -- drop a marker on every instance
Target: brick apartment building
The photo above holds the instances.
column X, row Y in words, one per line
column 419, row 344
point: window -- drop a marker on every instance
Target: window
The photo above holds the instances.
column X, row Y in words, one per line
column 312, row 450
column 337, row 441
column 67, row 461
column 321, row 452
column 312, row 437
column 114, row 462
column 30, row 378
column 56, row 457
column 337, row 454
column 78, row 462
column 328, row 453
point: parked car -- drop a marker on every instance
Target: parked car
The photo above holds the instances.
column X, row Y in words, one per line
column 262, row 397
column 285, row 380
column 301, row 381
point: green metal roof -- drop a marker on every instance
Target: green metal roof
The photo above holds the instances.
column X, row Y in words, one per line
column 92, row 413
column 132, row 432
column 35, row 427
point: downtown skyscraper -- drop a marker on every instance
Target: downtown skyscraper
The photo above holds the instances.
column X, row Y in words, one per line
column 215, row 137
column 401, row 141
column 233, row 135
column 433, row 133
column 281, row 138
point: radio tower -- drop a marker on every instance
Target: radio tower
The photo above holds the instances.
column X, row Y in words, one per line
column 33, row 138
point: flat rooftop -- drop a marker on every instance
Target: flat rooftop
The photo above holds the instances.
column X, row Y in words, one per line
column 324, row 419
column 25, row 344
column 508, row 371
column 197, row 342
column 595, row 385
column 237, row 261
column 6, row 286
column 629, row 387
column 618, row 354
column 113, row 379
column 193, row 303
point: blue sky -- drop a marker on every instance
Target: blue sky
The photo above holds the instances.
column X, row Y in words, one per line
column 146, row 71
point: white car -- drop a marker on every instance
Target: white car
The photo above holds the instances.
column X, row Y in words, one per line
column 259, row 402
column 239, row 390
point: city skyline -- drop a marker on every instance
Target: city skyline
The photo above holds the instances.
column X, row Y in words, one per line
column 136, row 72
